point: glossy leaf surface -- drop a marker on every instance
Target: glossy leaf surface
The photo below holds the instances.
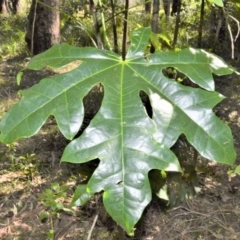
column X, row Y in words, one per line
column 126, row 140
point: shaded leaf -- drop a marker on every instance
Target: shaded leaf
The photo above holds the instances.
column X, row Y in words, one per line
column 81, row 196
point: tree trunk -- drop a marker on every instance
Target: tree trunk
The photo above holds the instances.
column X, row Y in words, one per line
column 155, row 16
column 167, row 4
column 3, row 7
column 148, row 5
column 201, row 23
column 175, row 4
column 155, row 20
column 44, row 25
column 178, row 4
column 15, row 6
column 220, row 29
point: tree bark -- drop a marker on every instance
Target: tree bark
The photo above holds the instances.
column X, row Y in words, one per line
column 201, row 23
column 167, row 7
column 155, row 20
column 178, row 4
column 155, row 16
column 3, row 7
column 175, row 4
column 44, row 25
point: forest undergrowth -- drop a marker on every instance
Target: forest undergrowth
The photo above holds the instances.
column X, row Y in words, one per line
column 30, row 166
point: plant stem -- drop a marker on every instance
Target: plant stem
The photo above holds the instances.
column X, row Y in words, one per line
column 125, row 25
column 92, row 227
column 114, row 25
column 200, row 28
column 104, row 26
column 51, row 222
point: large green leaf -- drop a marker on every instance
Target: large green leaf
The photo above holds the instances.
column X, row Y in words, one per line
column 122, row 135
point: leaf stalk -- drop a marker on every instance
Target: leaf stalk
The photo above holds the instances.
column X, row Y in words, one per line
column 125, row 27
column 104, row 26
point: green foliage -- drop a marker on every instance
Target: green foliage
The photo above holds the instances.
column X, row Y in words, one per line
column 13, row 30
column 234, row 172
column 77, row 26
column 77, row 31
column 127, row 141
column 156, row 40
column 188, row 30
column 217, row 2
column 27, row 164
column 52, row 198
column 237, row 5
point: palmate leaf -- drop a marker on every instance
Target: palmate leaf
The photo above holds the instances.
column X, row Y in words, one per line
column 122, row 135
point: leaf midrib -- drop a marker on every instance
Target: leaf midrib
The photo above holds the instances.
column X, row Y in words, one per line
column 175, row 105
column 60, row 93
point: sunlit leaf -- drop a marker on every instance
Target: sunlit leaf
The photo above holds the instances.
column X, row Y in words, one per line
column 237, row 169
column 217, row 2
column 127, row 141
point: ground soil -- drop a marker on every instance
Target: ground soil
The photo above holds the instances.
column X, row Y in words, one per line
column 213, row 213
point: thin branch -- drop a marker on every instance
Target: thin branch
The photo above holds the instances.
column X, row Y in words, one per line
column 230, row 32
column 92, row 227
column 123, row 11
column 33, row 26
column 238, row 25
